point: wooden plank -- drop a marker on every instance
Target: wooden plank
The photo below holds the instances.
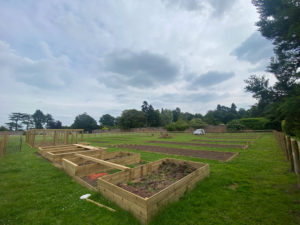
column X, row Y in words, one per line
column 110, row 164
column 90, row 147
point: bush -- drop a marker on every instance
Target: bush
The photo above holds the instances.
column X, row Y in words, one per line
column 180, row 125
column 235, row 125
column 255, row 123
column 197, row 123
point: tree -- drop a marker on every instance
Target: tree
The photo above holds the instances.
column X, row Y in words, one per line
column 27, row 120
column 38, row 119
column 2, row 128
column 107, row 120
column 49, row 121
column 279, row 22
column 176, row 114
column 132, row 118
column 86, row 122
column 166, row 117
column 152, row 116
column 15, row 119
column 54, row 124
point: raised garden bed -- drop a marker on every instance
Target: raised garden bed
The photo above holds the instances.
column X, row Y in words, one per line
column 56, row 153
column 143, row 190
column 215, row 155
column 86, row 169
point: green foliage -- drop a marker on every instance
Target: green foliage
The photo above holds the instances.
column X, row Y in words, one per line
column 197, row 123
column 2, row 128
column 107, row 120
column 235, row 125
column 290, row 111
column 132, row 118
column 86, row 122
column 39, row 119
column 166, row 117
column 180, row 125
column 255, row 123
column 152, row 116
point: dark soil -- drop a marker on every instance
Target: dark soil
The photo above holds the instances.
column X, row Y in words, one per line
column 99, row 141
column 196, row 144
column 166, row 174
column 231, row 137
column 221, row 156
column 216, row 141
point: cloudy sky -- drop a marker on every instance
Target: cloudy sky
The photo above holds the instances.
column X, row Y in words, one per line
column 69, row 57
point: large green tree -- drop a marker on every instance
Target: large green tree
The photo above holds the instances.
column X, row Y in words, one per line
column 86, row 122
column 107, row 120
column 39, row 119
column 15, row 120
column 132, row 118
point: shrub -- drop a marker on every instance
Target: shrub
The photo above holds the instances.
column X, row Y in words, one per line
column 235, row 125
column 197, row 123
column 255, row 123
column 180, row 125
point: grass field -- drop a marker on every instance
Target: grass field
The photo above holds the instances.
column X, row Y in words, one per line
column 256, row 187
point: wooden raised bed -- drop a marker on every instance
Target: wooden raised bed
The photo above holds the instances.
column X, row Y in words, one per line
column 81, row 166
column 144, row 208
column 56, row 153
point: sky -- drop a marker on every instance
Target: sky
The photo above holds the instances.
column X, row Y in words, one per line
column 69, row 57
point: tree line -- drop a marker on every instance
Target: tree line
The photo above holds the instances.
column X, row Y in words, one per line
column 147, row 116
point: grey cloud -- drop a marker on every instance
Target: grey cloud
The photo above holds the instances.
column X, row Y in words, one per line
column 219, row 6
column 210, row 78
column 254, row 49
column 192, row 97
column 139, row 69
column 189, row 5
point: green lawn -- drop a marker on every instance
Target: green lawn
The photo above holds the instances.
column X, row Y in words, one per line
column 254, row 188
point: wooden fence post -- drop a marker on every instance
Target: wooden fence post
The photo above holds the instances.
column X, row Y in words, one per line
column 289, row 148
column 3, row 144
column 66, row 137
column 54, row 138
column 81, row 136
column 295, row 149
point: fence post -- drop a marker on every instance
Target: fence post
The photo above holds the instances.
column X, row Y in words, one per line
column 295, row 149
column 66, row 136
column 289, row 147
column 54, row 138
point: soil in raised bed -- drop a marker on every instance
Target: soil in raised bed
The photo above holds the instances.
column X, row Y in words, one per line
column 199, row 144
column 167, row 173
column 220, row 156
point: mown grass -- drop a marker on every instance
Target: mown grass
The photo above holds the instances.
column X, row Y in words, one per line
column 254, row 188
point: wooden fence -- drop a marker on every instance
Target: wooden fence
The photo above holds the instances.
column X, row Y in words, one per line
column 3, row 143
column 47, row 137
column 290, row 148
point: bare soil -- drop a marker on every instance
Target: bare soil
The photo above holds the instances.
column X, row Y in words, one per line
column 231, row 137
column 166, row 174
column 198, row 144
column 218, row 141
column 220, row 156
